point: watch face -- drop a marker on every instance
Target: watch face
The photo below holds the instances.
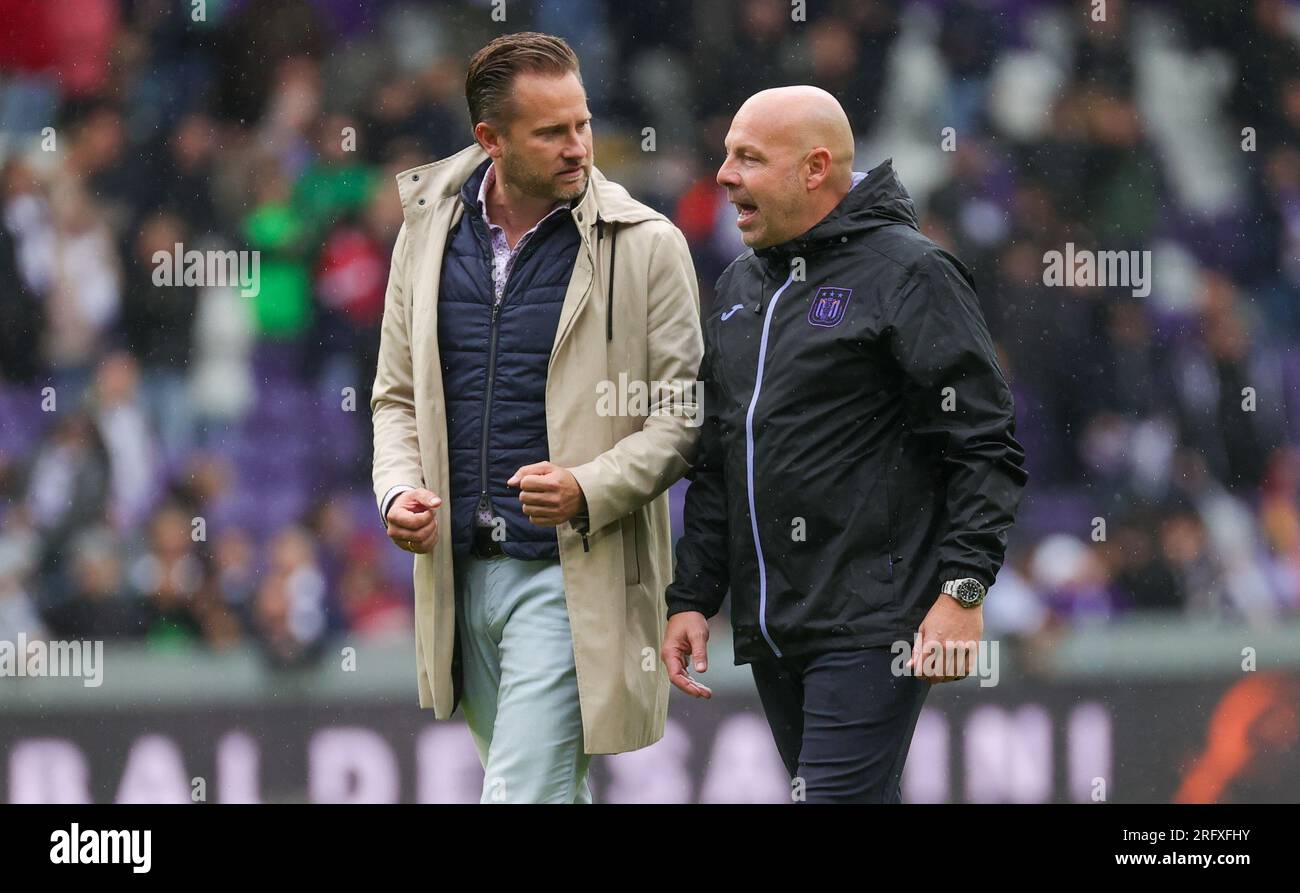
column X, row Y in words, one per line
column 969, row 591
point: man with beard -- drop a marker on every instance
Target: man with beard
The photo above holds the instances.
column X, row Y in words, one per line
column 523, row 283
column 857, row 471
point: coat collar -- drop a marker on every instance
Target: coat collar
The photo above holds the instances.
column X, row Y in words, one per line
column 430, row 185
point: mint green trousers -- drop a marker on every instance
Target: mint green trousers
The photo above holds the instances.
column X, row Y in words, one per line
column 520, row 692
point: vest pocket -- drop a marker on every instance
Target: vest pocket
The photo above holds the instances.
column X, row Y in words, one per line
column 631, row 560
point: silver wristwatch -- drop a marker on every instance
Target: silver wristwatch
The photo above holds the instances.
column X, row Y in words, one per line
column 968, row 591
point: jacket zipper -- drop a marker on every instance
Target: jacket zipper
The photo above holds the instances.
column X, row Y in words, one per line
column 749, row 466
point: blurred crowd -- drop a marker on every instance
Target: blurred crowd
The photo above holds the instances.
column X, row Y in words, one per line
column 190, row 467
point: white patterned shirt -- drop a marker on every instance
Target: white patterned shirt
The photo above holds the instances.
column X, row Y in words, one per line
column 503, row 256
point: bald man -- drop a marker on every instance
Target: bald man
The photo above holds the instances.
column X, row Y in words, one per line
column 858, row 470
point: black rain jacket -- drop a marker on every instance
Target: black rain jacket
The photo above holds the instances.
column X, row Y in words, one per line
column 858, row 442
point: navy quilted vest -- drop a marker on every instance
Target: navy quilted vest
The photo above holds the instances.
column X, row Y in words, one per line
column 494, row 368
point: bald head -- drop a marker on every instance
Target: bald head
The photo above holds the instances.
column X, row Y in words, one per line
column 789, row 162
column 803, row 118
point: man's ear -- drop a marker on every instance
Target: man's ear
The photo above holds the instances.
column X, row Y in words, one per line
column 819, row 168
column 489, row 139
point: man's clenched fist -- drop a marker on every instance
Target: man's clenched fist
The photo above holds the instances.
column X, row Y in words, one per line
column 550, row 494
column 413, row 520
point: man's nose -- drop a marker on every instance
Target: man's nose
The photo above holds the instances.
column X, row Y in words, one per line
column 576, row 149
column 727, row 176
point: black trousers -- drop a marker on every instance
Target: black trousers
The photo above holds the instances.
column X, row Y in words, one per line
column 842, row 721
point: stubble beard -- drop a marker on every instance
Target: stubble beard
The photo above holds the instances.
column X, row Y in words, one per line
column 542, row 186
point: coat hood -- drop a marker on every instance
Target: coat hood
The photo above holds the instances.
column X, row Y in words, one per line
column 877, row 199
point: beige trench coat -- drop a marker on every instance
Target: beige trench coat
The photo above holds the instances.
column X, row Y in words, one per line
column 624, row 463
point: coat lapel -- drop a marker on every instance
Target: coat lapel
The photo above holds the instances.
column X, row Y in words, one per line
column 607, row 202
column 575, row 297
column 424, row 297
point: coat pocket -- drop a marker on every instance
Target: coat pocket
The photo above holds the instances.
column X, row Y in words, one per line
column 873, row 523
column 871, row 579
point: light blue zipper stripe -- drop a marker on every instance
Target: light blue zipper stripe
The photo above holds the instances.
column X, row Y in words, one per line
column 749, row 466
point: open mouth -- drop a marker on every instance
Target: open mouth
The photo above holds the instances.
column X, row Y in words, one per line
column 745, row 213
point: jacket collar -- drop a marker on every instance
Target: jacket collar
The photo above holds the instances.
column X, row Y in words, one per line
column 876, row 199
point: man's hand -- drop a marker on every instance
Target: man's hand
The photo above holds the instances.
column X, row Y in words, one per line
column 413, row 520
column 550, row 494
column 947, row 642
column 687, row 634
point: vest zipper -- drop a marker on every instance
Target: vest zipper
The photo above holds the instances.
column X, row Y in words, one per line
column 484, row 504
column 484, row 509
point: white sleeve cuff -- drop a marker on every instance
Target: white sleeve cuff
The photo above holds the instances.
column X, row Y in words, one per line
column 390, row 496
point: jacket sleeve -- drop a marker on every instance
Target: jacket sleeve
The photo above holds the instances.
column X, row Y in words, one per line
column 939, row 340
column 645, row 463
column 701, row 577
column 392, row 399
